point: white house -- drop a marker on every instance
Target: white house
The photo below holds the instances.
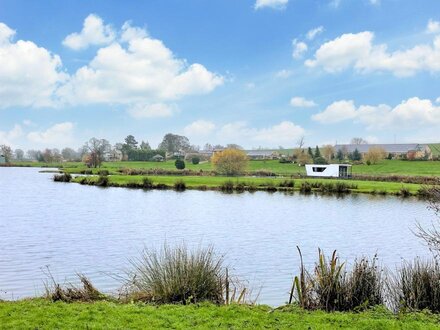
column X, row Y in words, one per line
column 329, row 171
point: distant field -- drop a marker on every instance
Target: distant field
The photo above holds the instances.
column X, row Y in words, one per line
column 399, row 167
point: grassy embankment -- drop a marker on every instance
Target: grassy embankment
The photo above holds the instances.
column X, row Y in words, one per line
column 42, row 314
column 384, row 169
column 216, row 183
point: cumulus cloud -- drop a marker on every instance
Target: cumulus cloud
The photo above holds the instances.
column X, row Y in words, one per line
column 156, row 110
column 301, row 102
column 29, row 74
column 374, row 2
column 311, row 34
column 93, row 33
column 411, row 113
column 137, row 69
column 199, row 128
column 275, row 4
column 299, row 48
column 359, row 52
column 9, row 137
column 282, row 133
column 58, row 135
column 433, row 26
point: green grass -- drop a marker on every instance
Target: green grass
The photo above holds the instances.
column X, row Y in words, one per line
column 385, row 167
column 215, row 182
column 41, row 314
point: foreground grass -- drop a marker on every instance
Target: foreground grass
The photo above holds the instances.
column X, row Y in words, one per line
column 200, row 182
column 385, row 167
column 42, row 314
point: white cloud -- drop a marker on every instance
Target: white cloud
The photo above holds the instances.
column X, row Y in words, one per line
column 433, row 27
column 285, row 132
column 199, row 128
column 336, row 112
column 301, row 102
column 299, row 48
column 275, row 4
column 93, row 33
column 138, row 69
column 437, row 100
column 359, row 52
column 9, row 137
column 29, row 74
column 156, row 110
column 411, row 113
column 283, row 74
column 374, row 2
column 58, row 135
column 311, row 34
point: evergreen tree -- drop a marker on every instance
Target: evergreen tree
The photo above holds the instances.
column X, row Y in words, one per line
column 340, row 155
column 310, row 153
column 317, row 153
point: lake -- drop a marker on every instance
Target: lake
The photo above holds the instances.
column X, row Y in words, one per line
column 72, row 228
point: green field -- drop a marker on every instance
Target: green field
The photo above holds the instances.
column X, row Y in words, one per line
column 196, row 182
column 42, row 314
column 385, row 167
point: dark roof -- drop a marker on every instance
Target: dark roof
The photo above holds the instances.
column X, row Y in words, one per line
column 391, row 148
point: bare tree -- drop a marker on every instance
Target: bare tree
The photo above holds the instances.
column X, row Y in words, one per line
column 300, row 142
column 97, row 149
column 358, row 140
column 431, row 235
column 6, row 151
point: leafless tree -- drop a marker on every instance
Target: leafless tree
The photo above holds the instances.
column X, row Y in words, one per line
column 358, row 140
column 431, row 235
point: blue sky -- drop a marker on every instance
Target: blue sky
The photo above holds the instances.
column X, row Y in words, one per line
column 252, row 72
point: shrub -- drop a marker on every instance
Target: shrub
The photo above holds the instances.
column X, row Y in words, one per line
column 417, row 286
column 330, row 288
column 227, row 186
column 287, row 184
column 195, row 160
column 240, row 187
column 180, row 164
column 305, row 187
column 180, row 185
column 178, row 275
column 404, row 192
column 147, row 183
column 230, row 161
column 102, row 181
column 71, row 293
column 65, row 177
column 270, row 187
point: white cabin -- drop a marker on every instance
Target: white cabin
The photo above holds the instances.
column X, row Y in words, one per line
column 329, row 170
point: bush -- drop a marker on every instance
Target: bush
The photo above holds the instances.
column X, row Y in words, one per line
column 103, row 172
column 180, row 164
column 195, row 160
column 305, row 187
column 178, row 275
column 417, row 286
column 102, row 181
column 180, row 185
column 70, row 293
column 227, row 186
column 404, row 192
column 330, row 288
column 230, row 161
column 320, row 160
column 65, row 177
column 287, row 184
column 147, row 183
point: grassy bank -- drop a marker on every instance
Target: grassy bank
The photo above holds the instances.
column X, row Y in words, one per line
column 42, row 314
column 250, row 183
column 385, row 167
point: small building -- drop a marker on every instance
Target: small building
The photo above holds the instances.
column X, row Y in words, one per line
column 329, row 170
column 2, row 159
column 158, row 158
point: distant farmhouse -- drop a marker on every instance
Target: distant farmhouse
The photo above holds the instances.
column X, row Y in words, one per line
column 398, row 150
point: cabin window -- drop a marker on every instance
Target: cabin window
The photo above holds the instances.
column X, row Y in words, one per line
column 319, row 169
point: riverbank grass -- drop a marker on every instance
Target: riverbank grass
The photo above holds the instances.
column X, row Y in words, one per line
column 42, row 314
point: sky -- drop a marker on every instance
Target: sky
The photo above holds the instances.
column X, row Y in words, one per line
column 258, row 73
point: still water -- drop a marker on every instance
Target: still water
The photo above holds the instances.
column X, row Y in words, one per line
column 72, row 228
